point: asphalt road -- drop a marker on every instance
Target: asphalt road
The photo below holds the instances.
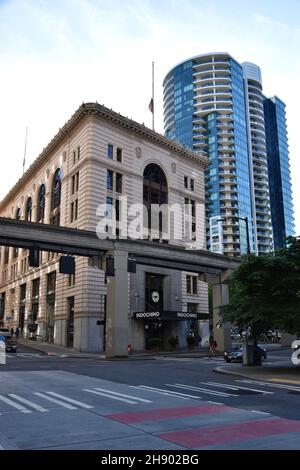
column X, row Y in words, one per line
column 55, row 402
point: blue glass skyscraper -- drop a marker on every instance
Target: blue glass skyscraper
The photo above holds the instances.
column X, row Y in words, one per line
column 279, row 171
column 214, row 105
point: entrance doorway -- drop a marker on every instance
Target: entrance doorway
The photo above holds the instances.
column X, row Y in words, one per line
column 21, row 317
column 49, row 334
column 154, row 302
column 70, row 322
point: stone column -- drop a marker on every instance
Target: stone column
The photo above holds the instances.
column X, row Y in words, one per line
column 221, row 331
column 117, row 307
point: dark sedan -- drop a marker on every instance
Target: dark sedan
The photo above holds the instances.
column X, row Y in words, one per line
column 10, row 342
column 237, row 355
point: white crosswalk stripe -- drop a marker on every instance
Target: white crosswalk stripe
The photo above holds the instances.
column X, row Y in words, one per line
column 15, row 405
column 163, row 391
column 28, row 402
column 236, row 388
column 123, row 395
column 268, row 384
column 202, row 390
column 54, row 400
column 107, row 395
column 70, row 400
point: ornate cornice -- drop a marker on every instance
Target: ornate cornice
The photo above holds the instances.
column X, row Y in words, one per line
column 106, row 114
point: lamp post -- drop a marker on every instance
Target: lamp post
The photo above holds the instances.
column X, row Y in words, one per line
column 246, row 220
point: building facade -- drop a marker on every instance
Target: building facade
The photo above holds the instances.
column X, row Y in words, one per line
column 279, row 171
column 96, row 159
column 213, row 104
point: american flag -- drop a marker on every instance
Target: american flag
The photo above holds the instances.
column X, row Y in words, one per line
column 151, row 105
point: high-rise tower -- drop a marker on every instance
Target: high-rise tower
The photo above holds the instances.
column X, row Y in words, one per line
column 214, row 105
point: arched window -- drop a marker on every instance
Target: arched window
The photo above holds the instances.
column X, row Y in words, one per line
column 41, row 204
column 56, row 190
column 28, row 210
column 18, row 214
column 55, row 198
column 155, row 191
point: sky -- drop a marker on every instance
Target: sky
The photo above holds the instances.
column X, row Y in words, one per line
column 56, row 54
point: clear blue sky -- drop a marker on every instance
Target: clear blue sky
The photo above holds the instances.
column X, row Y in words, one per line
column 56, row 54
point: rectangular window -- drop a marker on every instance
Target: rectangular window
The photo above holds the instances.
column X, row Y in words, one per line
column 74, row 157
column 119, row 154
column 74, row 210
column 71, row 280
column 186, row 182
column 75, row 183
column 110, row 180
column 192, row 284
column 51, row 282
column 192, row 184
column 110, row 151
column 188, row 285
column 23, row 293
column 35, row 288
column 109, row 205
column 78, row 153
column 118, row 182
column 117, row 210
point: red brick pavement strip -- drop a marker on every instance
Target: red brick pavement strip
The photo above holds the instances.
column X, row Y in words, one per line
column 209, row 436
column 168, row 413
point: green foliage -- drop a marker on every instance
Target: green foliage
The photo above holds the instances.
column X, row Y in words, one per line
column 173, row 340
column 265, row 292
column 191, row 340
column 153, row 343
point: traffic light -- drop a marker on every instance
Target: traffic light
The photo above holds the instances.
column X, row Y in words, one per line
column 34, row 257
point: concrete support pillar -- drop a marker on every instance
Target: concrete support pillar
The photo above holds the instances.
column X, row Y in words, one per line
column 117, row 308
column 221, row 333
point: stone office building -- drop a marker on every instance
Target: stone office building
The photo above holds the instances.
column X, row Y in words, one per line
column 98, row 157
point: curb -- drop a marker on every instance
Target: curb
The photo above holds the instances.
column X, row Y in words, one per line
column 219, row 370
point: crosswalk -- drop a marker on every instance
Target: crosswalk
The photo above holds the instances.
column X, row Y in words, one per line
column 45, row 401
column 24, row 355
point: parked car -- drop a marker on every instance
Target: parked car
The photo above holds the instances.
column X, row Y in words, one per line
column 237, row 355
column 10, row 342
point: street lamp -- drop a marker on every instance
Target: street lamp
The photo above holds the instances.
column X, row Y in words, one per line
column 246, row 220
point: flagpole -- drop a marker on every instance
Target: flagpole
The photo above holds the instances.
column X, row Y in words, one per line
column 24, row 159
column 153, row 95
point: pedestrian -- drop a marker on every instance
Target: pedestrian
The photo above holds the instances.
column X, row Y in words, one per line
column 212, row 347
column 17, row 332
column 12, row 331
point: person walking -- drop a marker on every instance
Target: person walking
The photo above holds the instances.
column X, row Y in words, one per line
column 17, row 332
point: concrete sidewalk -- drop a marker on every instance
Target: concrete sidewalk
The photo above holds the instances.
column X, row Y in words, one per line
column 54, row 350
column 283, row 371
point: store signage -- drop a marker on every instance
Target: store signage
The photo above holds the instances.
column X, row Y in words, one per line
column 167, row 315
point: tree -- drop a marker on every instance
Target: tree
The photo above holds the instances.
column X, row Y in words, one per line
column 265, row 292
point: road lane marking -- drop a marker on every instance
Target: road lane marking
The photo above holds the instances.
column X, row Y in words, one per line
column 70, row 400
column 15, row 405
column 284, row 387
column 204, row 390
column 167, row 392
column 123, row 395
column 216, row 384
column 110, row 396
column 54, row 400
column 28, row 402
column 260, row 412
